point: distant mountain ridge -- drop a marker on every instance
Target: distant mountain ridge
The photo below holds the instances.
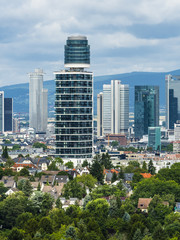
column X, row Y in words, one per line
column 20, row 92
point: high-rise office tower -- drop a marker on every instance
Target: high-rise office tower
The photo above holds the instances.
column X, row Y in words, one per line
column 154, row 138
column 100, row 114
column 146, row 109
column 115, row 108
column 1, row 112
column 37, row 102
column 172, row 100
column 106, row 109
column 119, row 107
column 8, row 114
column 73, row 104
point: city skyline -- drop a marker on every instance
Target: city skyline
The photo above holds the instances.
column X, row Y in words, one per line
column 125, row 36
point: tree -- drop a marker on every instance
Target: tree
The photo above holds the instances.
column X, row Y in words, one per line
column 157, row 210
column 159, row 233
column 175, row 166
column 151, row 168
column 105, row 161
column 126, row 217
column 58, row 203
column 17, row 234
column 27, row 188
column 69, row 165
column 98, row 208
column 134, row 164
column 137, row 178
column 114, row 177
column 71, row 233
column 24, row 172
column 58, row 160
column 144, row 166
column 39, row 187
column 11, row 208
column 5, row 152
column 149, row 187
column 115, row 144
column 86, row 200
column 46, row 225
column 53, row 167
column 1, row 173
column 85, row 163
column 96, row 170
column 9, row 163
column 39, row 145
column 73, row 189
column 87, row 180
column 137, row 235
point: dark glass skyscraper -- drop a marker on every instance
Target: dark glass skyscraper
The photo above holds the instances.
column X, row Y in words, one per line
column 8, row 114
column 172, row 100
column 146, row 109
column 73, row 103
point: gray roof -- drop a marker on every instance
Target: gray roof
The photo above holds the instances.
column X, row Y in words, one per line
column 61, row 178
column 128, row 176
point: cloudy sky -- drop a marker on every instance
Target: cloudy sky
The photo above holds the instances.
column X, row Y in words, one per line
column 125, row 35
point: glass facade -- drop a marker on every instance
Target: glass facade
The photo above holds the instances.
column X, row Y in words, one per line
column 154, row 138
column 146, row 109
column 8, row 114
column 77, row 51
column 172, row 100
column 73, row 106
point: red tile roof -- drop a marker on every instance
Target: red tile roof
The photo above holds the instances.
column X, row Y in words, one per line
column 146, row 175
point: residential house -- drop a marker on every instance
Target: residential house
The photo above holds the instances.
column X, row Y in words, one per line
column 8, row 181
column 143, row 204
column 128, row 177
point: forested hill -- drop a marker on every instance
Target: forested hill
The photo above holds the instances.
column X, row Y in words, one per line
column 20, row 92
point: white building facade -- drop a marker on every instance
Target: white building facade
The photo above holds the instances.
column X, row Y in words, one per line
column 38, row 106
column 115, row 108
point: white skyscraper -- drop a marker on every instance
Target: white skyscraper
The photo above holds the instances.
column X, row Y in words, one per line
column 37, row 102
column 106, row 109
column 100, row 114
column 115, row 108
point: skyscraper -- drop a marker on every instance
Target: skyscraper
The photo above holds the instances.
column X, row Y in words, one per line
column 119, row 107
column 106, row 109
column 154, row 138
column 73, row 103
column 1, row 112
column 172, row 100
column 37, row 102
column 146, row 109
column 115, row 108
column 8, row 114
column 100, row 114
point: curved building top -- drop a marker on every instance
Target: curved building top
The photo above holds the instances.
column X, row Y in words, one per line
column 77, row 52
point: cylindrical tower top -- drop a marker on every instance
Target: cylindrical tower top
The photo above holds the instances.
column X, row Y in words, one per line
column 77, row 52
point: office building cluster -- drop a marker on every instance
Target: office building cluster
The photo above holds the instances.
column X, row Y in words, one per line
column 74, row 107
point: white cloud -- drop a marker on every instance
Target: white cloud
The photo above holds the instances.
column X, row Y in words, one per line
column 33, row 34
